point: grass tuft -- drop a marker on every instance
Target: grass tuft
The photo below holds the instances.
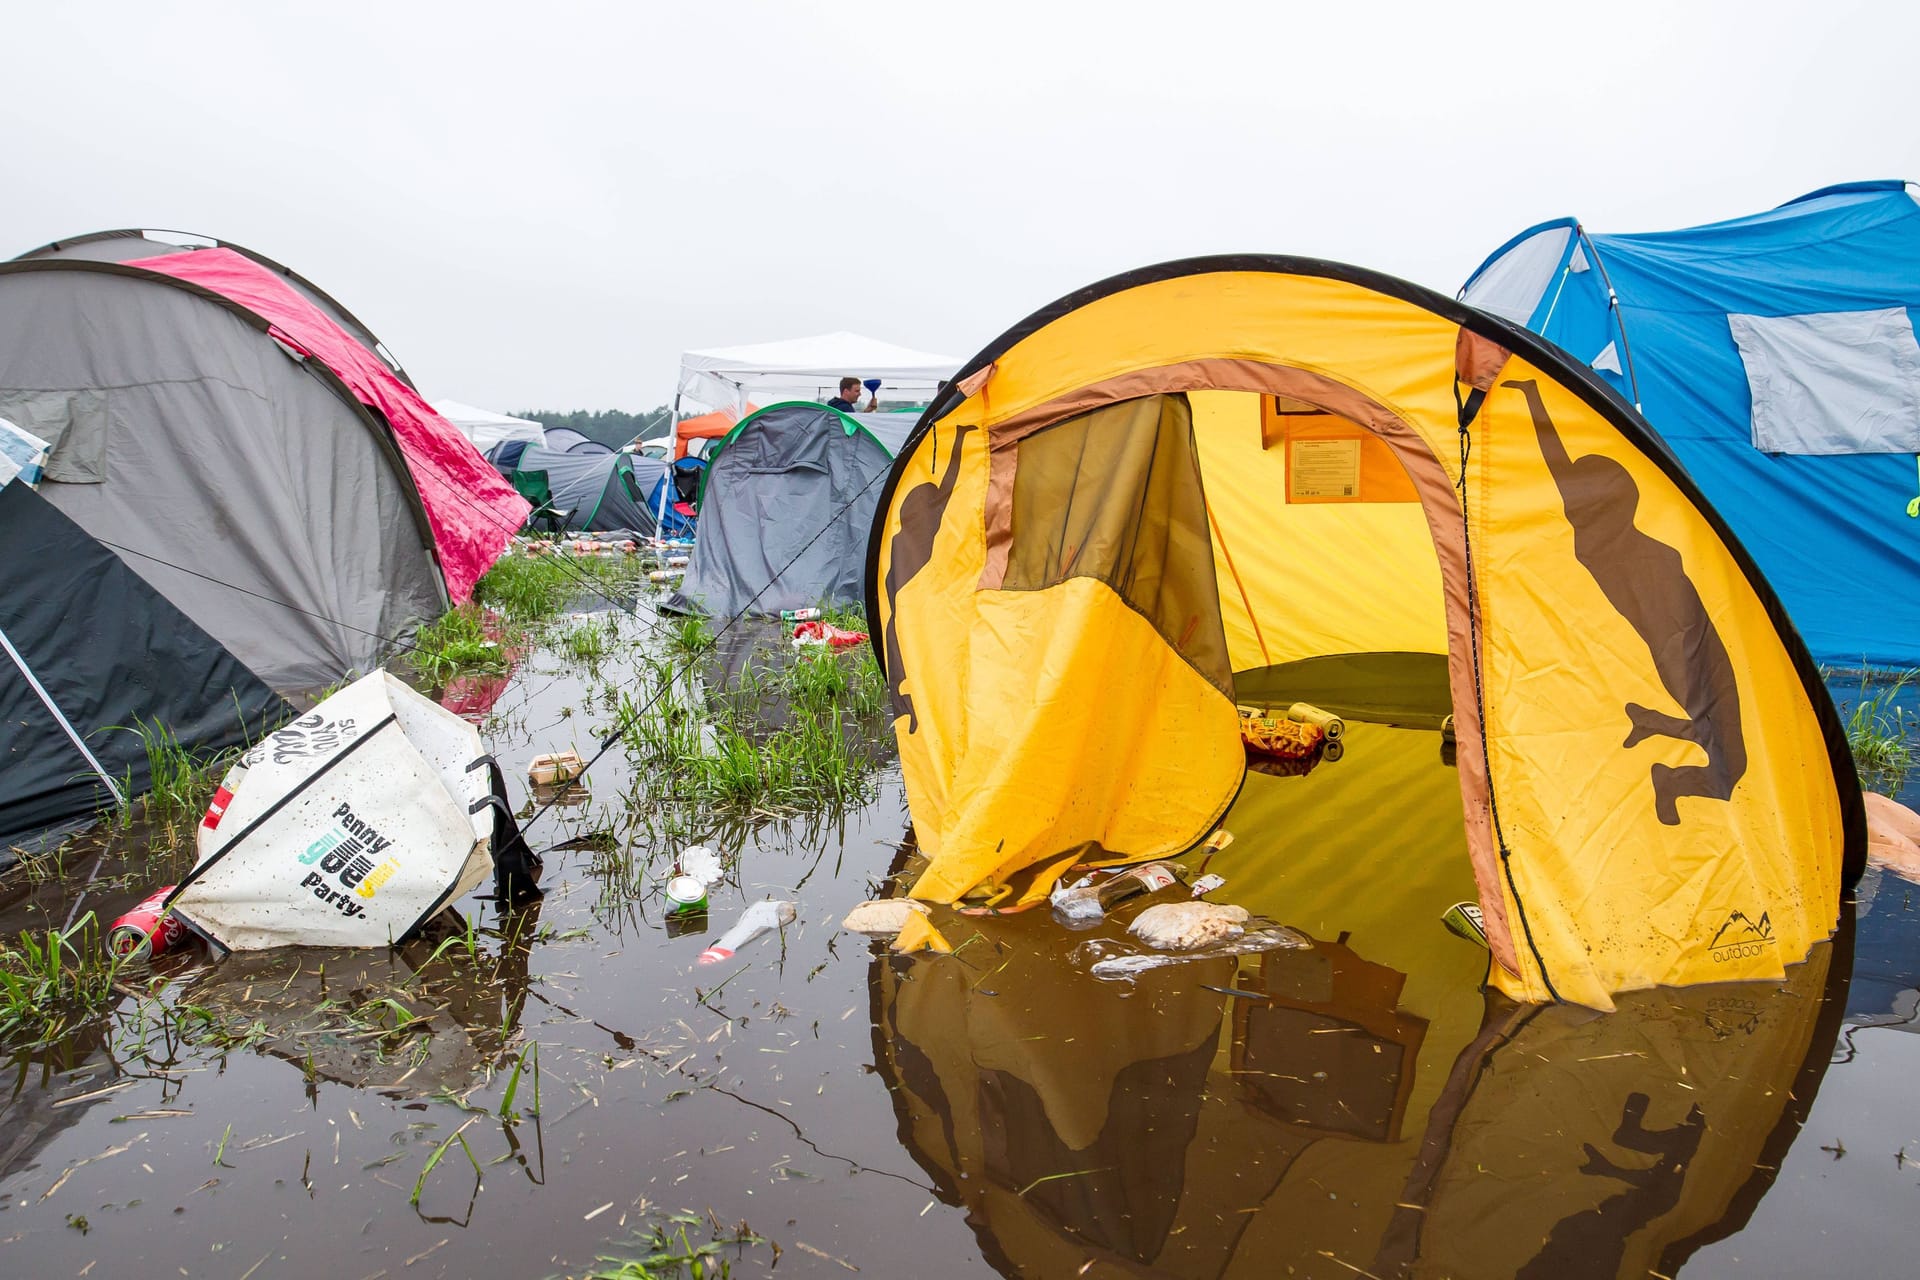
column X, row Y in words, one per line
column 1880, row 734
column 52, row 979
column 456, row 642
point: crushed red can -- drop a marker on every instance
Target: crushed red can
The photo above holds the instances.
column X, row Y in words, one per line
column 828, row 634
column 145, row 931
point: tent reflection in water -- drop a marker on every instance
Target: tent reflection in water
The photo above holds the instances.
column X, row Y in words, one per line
column 1144, row 503
column 1339, row 1108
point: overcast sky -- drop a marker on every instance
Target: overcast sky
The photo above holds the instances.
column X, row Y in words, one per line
column 539, row 205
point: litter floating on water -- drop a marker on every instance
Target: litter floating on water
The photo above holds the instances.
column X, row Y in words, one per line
column 147, row 930
column 1463, row 919
column 1086, row 901
column 758, row 918
column 1188, row 926
column 1207, row 884
column 1271, row 734
column 813, row 633
column 1329, row 724
column 686, row 895
column 1277, row 938
column 555, row 768
column 882, row 917
column 702, row 863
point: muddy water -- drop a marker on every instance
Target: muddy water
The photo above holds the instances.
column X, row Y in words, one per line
column 1356, row 1108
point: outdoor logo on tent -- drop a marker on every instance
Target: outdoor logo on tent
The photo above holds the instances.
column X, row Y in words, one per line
column 1740, row 937
column 345, row 853
column 1646, row 582
column 310, row 735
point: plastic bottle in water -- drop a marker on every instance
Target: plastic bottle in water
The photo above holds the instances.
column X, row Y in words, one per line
column 1088, row 901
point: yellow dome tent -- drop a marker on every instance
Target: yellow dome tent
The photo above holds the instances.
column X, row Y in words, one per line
column 1164, row 489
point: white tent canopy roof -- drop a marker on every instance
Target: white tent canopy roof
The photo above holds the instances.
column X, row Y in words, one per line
column 723, row 377
column 486, row 428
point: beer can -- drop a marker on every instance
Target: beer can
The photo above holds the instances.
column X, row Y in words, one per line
column 686, row 894
column 799, row 615
column 145, row 932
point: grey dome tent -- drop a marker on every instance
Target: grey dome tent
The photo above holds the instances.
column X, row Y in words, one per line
column 561, row 439
column 600, row 492
column 784, row 508
column 244, row 481
column 129, row 245
column 88, row 652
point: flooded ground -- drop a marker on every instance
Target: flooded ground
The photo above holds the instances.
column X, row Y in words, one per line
column 1357, row 1108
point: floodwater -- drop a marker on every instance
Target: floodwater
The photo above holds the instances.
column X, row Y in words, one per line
column 1357, row 1108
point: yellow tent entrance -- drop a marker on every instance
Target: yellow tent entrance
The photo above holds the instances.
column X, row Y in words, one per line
column 1135, row 499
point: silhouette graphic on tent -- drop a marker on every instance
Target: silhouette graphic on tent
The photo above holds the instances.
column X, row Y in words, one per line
column 1645, row 582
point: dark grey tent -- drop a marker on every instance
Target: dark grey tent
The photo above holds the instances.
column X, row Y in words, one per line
column 88, row 651
column 600, row 491
column 784, row 509
column 247, row 484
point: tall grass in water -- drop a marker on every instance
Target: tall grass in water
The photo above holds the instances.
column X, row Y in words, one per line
column 717, row 753
column 536, row 588
column 666, row 1252
column 1880, row 734
column 180, row 782
column 457, row 641
column 689, row 634
column 49, row 979
column 588, row 641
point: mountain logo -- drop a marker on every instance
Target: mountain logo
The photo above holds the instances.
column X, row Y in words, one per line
column 1740, row 937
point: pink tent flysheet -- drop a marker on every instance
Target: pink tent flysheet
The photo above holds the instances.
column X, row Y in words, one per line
column 472, row 510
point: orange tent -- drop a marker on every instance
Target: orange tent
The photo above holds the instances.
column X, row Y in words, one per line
column 707, row 426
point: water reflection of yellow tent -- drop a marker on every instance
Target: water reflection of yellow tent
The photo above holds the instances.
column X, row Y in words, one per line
column 1191, row 1134
column 1143, row 497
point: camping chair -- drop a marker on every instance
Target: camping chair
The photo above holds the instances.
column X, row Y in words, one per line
column 533, row 486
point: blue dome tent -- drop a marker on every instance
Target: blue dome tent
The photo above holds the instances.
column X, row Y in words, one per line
column 1775, row 354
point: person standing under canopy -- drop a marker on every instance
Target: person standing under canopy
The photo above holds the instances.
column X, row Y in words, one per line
column 850, row 395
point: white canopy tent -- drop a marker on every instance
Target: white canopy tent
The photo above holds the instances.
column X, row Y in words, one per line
column 804, row 368
column 486, row 428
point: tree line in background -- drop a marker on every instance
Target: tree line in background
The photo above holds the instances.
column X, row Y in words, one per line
column 611, row 427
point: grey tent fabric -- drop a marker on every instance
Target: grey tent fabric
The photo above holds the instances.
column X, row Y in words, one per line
column 890, row 429
column 248, row 487
column 600, row 492
column 88, row 653
column 560, row 439
column 133, row 245
column 788, row 476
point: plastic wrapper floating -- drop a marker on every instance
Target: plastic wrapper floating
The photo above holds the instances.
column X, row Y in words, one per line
column 758, row 918
column 352, row 826
column 1272, row 938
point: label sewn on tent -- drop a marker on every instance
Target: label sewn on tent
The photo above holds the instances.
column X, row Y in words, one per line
column 1323, row 469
